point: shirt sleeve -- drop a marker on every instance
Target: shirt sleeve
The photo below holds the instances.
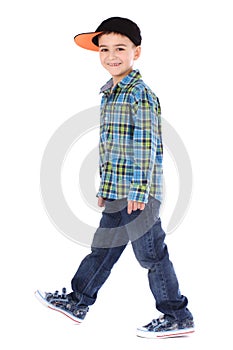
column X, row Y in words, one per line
column 144, row 147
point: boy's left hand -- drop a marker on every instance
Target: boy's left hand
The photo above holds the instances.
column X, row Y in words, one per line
column 133, row 206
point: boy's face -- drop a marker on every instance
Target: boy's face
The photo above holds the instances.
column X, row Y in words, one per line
column 117, row 55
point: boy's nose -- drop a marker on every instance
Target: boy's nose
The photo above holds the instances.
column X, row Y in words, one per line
column 112, row 54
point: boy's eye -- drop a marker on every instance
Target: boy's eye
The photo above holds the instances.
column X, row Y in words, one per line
column 103, row 49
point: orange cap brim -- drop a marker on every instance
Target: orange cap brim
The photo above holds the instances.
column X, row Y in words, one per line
column 85, row 41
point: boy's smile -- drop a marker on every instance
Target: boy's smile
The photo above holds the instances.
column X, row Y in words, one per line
column 117, row 55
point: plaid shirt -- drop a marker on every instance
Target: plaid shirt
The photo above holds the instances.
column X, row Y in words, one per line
column 130, row 147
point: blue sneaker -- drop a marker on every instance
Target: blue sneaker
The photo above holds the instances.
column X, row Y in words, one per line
column 165, row 327
column 63, row 303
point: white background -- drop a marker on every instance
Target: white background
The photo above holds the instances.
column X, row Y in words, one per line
column 45, row 79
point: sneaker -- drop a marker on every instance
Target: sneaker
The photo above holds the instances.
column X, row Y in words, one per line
column 64, row 303
column 165, row 327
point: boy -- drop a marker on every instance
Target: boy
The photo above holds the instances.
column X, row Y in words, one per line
column 130, row 187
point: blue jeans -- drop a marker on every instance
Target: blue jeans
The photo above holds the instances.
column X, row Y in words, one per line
column 143, row 229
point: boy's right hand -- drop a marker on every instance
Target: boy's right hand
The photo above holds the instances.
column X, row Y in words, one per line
column 101, row 202
column 134, row 205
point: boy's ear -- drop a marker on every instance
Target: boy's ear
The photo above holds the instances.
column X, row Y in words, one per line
column 137, row 52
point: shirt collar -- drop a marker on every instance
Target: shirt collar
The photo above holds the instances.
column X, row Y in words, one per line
column 129, row 79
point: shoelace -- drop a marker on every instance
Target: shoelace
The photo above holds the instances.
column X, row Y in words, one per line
column 158, row 321
column 56, row 294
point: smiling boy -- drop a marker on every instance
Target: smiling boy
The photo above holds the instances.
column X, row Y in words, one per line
column 131, row 177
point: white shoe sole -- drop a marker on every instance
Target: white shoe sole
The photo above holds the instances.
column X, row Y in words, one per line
column 41, row 296
column 144, row 333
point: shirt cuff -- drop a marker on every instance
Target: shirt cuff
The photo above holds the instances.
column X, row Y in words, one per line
column 139, row 193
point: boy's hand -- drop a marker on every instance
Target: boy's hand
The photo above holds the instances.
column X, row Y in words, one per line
column 133, row 205
column 101, row 202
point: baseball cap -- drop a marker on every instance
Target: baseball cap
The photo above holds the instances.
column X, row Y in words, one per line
column 119, row 25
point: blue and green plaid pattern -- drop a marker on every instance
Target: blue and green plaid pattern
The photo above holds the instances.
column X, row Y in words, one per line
column 130, row 146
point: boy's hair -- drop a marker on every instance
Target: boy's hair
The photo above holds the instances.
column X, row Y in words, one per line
column 107, row 32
